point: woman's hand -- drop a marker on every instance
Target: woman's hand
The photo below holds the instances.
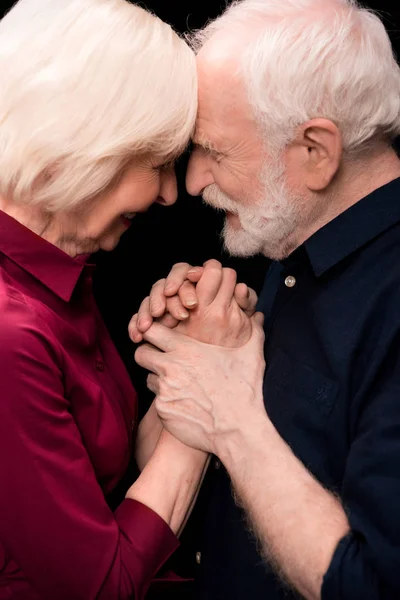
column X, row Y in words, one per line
column 173, row 299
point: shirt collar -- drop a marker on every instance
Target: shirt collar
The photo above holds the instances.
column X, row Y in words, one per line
column 354, row 228
column 48, row 264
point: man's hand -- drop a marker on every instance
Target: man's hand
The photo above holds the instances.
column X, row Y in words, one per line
column 211, row 398
column 173, row 300
column 203, row 391
column 216, row 319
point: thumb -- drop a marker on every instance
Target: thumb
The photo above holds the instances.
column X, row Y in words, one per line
column 163, row 338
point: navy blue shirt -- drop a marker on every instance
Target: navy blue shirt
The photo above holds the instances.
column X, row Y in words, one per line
column 332, row 390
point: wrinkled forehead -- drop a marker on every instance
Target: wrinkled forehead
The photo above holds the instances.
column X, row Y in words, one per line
column 221, row 87
column 223, row 107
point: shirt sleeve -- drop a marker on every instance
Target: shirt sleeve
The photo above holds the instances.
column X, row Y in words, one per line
column 55, row 522
column 366, row 563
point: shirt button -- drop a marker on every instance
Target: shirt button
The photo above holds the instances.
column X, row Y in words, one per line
column 217, row 464
column 198, row 558
column 290, row 281
column 99, row 366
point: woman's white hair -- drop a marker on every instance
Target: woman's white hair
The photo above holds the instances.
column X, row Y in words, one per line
column 303, row 59
column 87, row 86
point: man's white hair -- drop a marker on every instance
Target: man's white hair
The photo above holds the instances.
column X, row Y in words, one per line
column 85, row 86
column 303, row 59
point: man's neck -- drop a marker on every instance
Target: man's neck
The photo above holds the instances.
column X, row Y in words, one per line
column 356, row 180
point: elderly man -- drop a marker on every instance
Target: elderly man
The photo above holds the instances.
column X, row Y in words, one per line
column 299, row 101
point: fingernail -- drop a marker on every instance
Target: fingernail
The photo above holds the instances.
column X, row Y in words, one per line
column 183, row 314
column 193, row 271
column 191, row 302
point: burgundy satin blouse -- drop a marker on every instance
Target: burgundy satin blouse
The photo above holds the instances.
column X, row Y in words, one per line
column 68, row 414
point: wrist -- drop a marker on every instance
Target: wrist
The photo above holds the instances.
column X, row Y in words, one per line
column 185, row 455
column 253, row 433
column 170, row 480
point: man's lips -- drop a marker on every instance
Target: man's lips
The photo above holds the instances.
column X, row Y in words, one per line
column 233, row 219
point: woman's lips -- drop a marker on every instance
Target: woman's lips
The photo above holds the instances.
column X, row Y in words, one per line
column 127, row 219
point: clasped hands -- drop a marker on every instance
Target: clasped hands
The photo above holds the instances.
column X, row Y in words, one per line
column 204, row 351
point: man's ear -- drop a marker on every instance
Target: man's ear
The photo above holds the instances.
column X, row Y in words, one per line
column 320, row 144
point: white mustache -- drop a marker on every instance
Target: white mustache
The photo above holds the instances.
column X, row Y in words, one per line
column 214, row 197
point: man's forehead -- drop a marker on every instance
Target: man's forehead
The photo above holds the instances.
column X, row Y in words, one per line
column 221, row 90
column 219, row 113
column 217, row 79
column 219, row 51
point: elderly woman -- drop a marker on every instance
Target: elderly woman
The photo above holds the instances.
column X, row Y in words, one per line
column 97, row 98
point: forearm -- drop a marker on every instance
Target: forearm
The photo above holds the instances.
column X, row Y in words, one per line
column 195, row 496
column 149, row 432
column 296, row 520
column 170, row 480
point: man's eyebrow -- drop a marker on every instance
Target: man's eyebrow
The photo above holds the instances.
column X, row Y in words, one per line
column 199, row 140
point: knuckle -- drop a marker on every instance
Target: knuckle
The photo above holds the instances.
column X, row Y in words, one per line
column 159, row 404
column 138, row 354
column 169, row 321
column 162, row 388
column 213, row 263
column 152, row 382
column 173, row 302
column 157, row 284
column 132, row 322
column 171, row 374
column 230, row 273
column 242, row 289
column 132, row 331
column 187, row 286
column 252, row 294
column 180, row 265
column 144, row 305
column 157, row 303
column 214, row 272
column 219, row 315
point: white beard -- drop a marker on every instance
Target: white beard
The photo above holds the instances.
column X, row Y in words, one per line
column 267, row 225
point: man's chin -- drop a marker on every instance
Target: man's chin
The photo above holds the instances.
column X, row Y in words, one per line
column 238, row 242
column 239, row 252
